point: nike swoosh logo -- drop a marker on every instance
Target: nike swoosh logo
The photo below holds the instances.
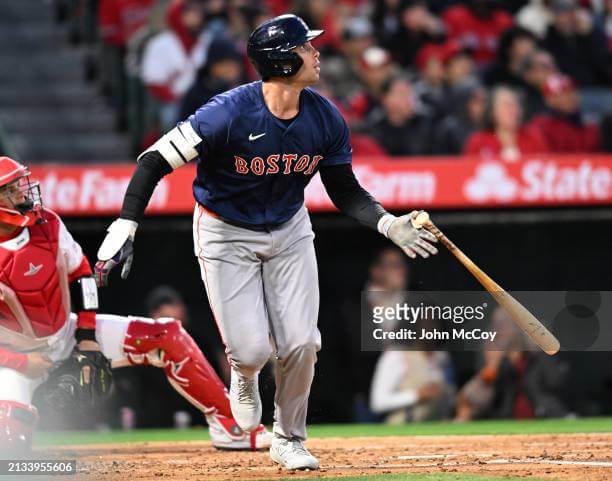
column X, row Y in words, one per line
column 255, row 137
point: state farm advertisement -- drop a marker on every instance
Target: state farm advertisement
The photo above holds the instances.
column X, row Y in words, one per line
column 441, row 182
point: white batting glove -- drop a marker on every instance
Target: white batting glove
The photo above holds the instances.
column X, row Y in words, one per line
column 116, row 249
column 413, row 241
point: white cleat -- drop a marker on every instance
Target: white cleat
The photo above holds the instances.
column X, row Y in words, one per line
column 245, row 401
column 226, row 434
column 291, row 454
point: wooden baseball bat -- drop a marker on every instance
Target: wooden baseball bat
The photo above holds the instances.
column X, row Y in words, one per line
column 526, row 321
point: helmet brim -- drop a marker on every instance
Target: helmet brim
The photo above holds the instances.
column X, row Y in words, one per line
column 312, row 34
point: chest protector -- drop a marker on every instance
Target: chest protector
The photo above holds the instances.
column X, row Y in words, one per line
column 34, row 293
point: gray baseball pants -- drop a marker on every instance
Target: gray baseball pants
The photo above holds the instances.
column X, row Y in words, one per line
column 263, row 290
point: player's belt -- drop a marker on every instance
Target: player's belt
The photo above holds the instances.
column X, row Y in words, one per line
column 253, row 227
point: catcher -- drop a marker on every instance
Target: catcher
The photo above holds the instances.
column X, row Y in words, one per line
column 43, row 272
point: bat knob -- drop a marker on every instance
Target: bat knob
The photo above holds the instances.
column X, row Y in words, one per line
column 420, row 219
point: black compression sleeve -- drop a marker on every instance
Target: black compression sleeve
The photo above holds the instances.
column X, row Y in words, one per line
column 150, row 170
column 348, row 196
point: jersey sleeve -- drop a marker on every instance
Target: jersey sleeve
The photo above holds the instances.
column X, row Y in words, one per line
column 13, row 360
column 70, row 249
column 78, row 267
column 211, row 123
column 339, row 150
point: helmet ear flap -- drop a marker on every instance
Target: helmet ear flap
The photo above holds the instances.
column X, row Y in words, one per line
column 285, row 64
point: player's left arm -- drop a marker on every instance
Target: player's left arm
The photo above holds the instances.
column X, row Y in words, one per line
column 353, row 200
column 87, row 366
column 184, row 143
column 83, row 289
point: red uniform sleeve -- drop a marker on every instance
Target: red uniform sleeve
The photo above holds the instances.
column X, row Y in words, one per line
column 85, row 319
column 13, row 360
column 84, row 269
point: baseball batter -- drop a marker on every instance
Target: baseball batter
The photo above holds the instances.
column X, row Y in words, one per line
column 257, row 147
column 42, row 272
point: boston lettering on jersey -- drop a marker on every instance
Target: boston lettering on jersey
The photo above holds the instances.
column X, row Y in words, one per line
column 253, row 167
column 289, row 164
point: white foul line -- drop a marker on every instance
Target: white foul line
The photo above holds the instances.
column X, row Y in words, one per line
column 601, row 464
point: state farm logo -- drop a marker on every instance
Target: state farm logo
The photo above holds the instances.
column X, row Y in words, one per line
column 491, row 182
column 91, row 191
column 540, row 181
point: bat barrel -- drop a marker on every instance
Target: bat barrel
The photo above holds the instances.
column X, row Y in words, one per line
column 519, row 314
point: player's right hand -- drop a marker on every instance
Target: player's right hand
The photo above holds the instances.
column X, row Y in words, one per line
column 116, row 249
column 412, row 240
column 38, row 365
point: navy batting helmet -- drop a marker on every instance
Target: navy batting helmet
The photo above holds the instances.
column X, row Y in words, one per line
column 270, row 45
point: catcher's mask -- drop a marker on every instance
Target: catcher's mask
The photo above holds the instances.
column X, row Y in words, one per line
column 20, row 201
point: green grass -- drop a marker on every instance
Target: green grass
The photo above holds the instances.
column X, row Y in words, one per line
column 415, row 477
column 546, row 426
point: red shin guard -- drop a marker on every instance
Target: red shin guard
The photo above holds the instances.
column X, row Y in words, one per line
column 165, row 344
column 17, row 424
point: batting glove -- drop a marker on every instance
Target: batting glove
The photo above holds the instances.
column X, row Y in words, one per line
column 412, row 240
column 116, row 249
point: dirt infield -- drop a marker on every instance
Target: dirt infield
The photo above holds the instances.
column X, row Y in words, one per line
column 579, row 457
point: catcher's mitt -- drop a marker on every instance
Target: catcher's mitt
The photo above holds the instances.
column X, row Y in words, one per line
column 80, row 382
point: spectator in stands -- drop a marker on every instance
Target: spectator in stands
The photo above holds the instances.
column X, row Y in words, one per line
column 515, row 45
column 536, row 17
column 374, row 68
column 172, row 58
column 515, row 381
column 460, row 69
column 446, row 70
column 398, row 126
column 562, row 124
column 451, row 134
column 460, row 76
column 118, row 21
column 504, row 137
column 603, row 22
column 244, row 16
column 580, row 51
column 413, row 386
column 322, row 14
column 341, row 72
column 387, row 276
column 536, row 68
column 418, row 26
column 385, row 17
column 223, row 70
column 431, row 84
column 477, row 26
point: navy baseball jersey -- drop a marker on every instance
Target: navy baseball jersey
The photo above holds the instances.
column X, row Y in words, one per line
column 253, row 167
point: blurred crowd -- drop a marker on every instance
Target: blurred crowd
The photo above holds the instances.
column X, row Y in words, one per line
column 496, row 79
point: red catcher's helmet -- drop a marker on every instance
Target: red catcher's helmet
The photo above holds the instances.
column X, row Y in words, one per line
column 20, row 202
